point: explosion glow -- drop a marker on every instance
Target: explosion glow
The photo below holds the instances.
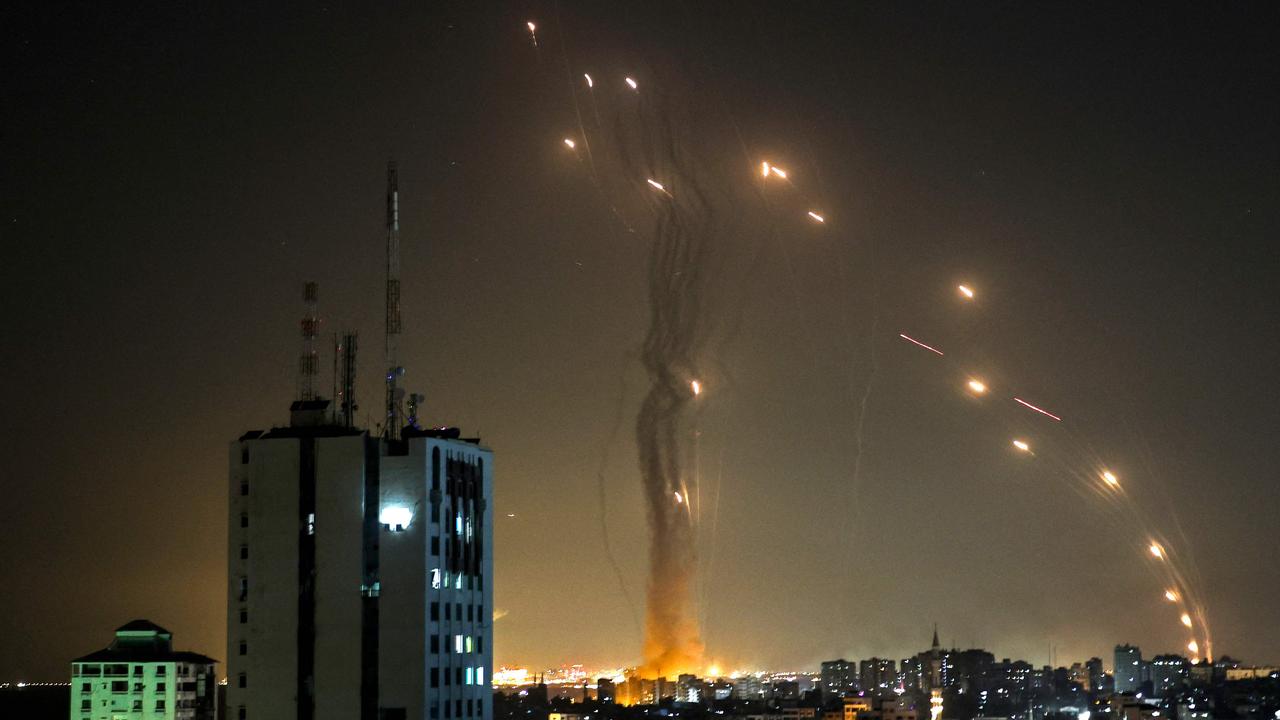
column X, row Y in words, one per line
column 1193, row 646
column 913, row 341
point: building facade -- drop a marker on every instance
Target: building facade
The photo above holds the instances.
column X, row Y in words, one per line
column 359, row 574
column 1128, row 668
column 139, row 676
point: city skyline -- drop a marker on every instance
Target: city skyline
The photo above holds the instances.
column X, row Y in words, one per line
column 1076, row 206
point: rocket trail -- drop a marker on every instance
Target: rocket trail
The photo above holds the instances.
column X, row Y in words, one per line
column 1042, row 411
column 913, row 341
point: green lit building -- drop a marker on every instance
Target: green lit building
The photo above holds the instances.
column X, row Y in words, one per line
column 140, row 677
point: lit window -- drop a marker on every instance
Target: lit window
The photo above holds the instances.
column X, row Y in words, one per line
column 457, row 643
column 395, row 517
column 435, row 578
column 468, row 643
column 457, row 523
column 470, row 677
column 480, row 675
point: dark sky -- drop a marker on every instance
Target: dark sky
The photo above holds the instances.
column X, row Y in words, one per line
column 1105, row 177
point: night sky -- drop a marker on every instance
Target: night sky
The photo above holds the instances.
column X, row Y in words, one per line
column 1105, row 178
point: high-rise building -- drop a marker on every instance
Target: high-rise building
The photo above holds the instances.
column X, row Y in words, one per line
column 839, row 678
column 1128, row 668
column 1099, row 681
column 1168, row 674
column 878, row 674
column 359, row 574
column 139, row 676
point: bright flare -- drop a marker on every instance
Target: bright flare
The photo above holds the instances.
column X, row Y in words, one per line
column 778, row 171
column 913, row 341
column 1156, row 551
column 1193, row 646
column 679, row 497
column 977, row 386
column 1171, row 596
column 817, row 217
column 1110, row 478
column 764, row 169
column 632, row 83
column 696, row 386
column 1042, row 411
column 965, row 291
column 713, row 671
column 1022, row 446
column 570, row 143
column 656, row 184
column 590, row 82
column 1186, row 619
column 532, row 27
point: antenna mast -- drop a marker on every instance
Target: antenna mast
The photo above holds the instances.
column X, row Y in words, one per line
column 392, row 423
column 308, row 361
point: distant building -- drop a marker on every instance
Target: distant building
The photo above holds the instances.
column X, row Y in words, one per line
column 605, row 691
column 139, row 676
column 1128, row 669
column 855, row 706
column 1168, row 674
column 1099, row 681
column 839, row 678
column 878, row 674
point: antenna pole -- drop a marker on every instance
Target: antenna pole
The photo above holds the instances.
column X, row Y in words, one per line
column 391, row 422
column 308, row 361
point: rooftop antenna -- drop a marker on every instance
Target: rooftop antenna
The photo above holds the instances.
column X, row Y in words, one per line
column 391, row 421
column 344, row 379
column 308, row 361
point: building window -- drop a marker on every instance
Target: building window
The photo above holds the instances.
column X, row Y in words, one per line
column 244, row 487
column 480, row 643
column 457, row 708
column 435, row 544
column 435, row 677
column 160, row 687
column 244, row 520
column 244, row 648
column 86, row 705
column 435, row 611
column 448, row 611
column 244, row 680
column 244, row 455
column 244, row 588
column 457, row 680
column 137, row 705
column 471, row 609
column 243, row 713
column 470, row 677
column 468, row 643
column 435, row 644
column 86, row 687
column 479, row 674
column 159, row 670
column 244, row 616
column 244, row 552
column 159, row 705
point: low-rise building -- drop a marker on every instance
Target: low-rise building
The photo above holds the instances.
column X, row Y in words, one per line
column 139, row 676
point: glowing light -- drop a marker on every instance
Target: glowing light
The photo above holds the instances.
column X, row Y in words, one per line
column 1110, row 478
column 965, row 291
column 1042, row 411
column 764, row 169
column 713, row 671
column 570, row 143
column 532, row 27
column 913, row 341
column 1186, row 619
column 696, row 387
column 1156, row 551
column 397, row 516
column 977, row 386
column 1193, row 646
column 679, row 497
column 656, row 184
column 1021, row 445
column 1171, row 596
column 632, row 83
column 816, row 216
column 590, row 83
column 778, row 171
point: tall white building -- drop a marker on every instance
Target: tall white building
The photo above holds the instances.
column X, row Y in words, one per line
column 360, row 574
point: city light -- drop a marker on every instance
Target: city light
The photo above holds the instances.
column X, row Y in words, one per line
column 396, row 516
